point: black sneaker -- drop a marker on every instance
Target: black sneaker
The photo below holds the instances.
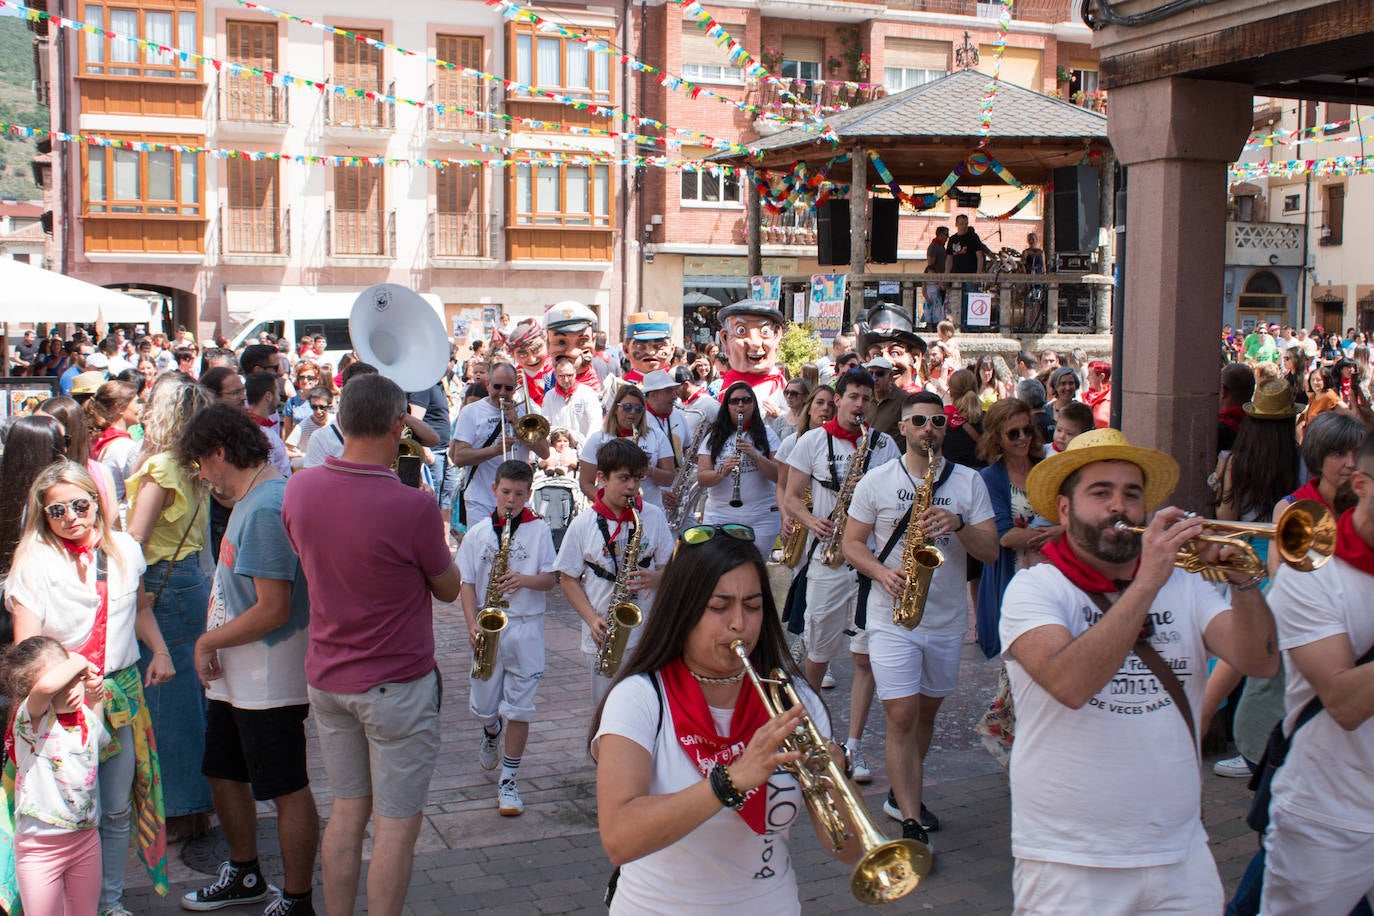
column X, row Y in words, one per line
column 290, row 906
column 911, row 830
column 235, row 886
column 928, row 820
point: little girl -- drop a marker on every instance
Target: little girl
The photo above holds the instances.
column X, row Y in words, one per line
column 57, row 731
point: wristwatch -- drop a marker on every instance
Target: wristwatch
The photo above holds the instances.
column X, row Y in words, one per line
column 962, row 523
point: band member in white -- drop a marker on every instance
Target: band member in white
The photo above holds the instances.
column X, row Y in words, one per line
column 731, row 462
column 821, row 461
column 478, row 442
column 916, row 668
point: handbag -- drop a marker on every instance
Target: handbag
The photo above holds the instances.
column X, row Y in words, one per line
column 1275, row 753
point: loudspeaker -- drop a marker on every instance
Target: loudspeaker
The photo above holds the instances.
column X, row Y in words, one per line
column 882, row 230
column 1076, row 208
column 832, row 232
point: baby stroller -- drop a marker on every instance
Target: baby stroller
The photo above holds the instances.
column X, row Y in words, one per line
column 557, row 499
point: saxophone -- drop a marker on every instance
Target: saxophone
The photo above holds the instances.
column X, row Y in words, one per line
column 920, row 558
column 831, row 549
column 491, row 619
column 684, row 488
column 623, row 615
column 794, row 539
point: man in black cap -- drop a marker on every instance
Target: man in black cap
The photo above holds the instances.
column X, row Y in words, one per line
column 750, row 331
column 885, row 330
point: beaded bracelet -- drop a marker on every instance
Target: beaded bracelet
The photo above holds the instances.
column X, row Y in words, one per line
column 1251, row 583
column 725, row 790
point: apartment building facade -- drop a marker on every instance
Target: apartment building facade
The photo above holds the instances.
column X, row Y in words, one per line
column 256, row 222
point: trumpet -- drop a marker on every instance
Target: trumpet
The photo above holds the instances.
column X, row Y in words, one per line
column 888, row 869
column 1304, row 534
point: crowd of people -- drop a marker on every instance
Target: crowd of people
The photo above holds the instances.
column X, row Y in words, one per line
column 186, row 583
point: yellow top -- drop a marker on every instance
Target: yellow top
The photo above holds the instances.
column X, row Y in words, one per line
column 172, row 522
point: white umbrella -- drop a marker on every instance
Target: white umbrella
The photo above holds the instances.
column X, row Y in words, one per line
column 31, row 294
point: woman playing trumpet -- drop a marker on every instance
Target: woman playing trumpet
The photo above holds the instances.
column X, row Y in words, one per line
column 682, row 709
column 738, row 455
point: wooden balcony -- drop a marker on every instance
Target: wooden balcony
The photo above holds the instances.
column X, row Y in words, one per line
column 348, row 111
column 461, row 235
column 462, row 91
column 255, row 231
column 361, row 234
column 804, row 98
column 252, row 102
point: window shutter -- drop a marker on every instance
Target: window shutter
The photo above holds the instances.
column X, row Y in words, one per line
column 804, row 49
column 697, row 48
column 914, row 54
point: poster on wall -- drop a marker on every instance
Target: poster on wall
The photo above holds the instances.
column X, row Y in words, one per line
column 765, row 289
column 978, row 310
column 827, row 304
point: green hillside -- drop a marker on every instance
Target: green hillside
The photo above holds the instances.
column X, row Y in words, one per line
column 17, row 106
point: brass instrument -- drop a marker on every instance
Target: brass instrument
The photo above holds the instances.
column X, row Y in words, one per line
column 623, row 615
column 920, row 558
column 888, row 869
column 410, row 455
column 831, row 549
column 491, row 619
column 1304, row 534
column 735, row 500
column 684, row 489
column 794, row 538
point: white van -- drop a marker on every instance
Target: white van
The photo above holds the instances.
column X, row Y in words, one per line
column 294, row 312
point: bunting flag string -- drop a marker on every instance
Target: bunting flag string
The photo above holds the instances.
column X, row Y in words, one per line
column 282, row 79
column 800, row 188
column 1307, row 134
column 510, row 157
column 990, row 96
column 977, row 163
column 1293, row 168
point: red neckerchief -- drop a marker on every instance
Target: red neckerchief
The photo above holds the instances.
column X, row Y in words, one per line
column 74, row 719
column 498, row 521
column 1345, row 390
column 534, row 382
column 566, row 393
column 696, row 394
column 752, row 379
column 956, row 419
column 1231, row 417
column 696, row 732
column 620, row 518
column 94, row 649
column 589, row 377
column 264, row 422
column 1055, row 445
column 624, row 433
column 833, row 427
column 1062, row 555
column 1310, row 490
column 1351, row 547
column 661, row 416
column 107, row 435
column 634, row 376
column 1093, row 398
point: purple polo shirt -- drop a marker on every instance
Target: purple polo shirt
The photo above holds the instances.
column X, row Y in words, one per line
column 369, row 545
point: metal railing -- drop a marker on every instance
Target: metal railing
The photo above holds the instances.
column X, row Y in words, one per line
column 361, row 233
column 1019, row 303
column 252, row 101
column 1050, row 11
column 791, row 227
column 255, row 230
column 461, row 91
column 804, row 97
column 460, row 235
column 355, row 111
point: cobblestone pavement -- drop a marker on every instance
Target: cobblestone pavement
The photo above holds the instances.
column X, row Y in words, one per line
column 550, row 859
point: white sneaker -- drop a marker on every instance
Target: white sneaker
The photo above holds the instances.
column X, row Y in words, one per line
column 861, row 774
column 1232, row 767
column 489, row 753
column 828, row 681
column 508, row 799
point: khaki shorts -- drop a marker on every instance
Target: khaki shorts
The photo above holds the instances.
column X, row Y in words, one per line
column 383, row 743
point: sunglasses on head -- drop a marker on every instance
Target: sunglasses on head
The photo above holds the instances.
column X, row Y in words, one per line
column 700, row 534
column 919, row 420
column 80, row 507
column 1019, row 433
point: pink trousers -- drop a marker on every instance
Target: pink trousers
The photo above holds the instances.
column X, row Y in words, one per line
column 59, row 874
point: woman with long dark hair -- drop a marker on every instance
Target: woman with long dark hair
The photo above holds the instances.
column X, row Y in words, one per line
column 73, row 419
column 723, row 451
column 31, row 444
column 1264, row 465
column 681, row 707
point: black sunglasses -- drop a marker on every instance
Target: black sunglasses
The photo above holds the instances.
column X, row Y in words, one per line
column 700, row 534
column 919, row 420
column 1019, row 433
column 81, row 507
column 739, row 402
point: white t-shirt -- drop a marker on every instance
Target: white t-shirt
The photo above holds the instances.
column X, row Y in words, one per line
column 475, row 425
column 531, row 553
column 115, row 457
column 653, row 443
column 882, row 499
column 56, row 789
column 723, row 866
column 1114, row 784
column 45, row 582
column 1327, row 773
column 758, row 493
column 674, row 427
column 702, row 408
column 810, row 455
column 584, row 546
column 327, row 444
column 579, row 413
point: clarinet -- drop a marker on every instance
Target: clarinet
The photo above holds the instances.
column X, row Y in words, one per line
column 735, row 500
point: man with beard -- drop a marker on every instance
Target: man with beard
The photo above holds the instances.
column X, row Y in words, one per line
column 1106, row 649
column 526, row 343
column 886, row 331
column 749, row 334
column 569, row 329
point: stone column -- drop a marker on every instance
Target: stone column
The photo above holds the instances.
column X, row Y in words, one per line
column 752, row 225
column 858, row 228
column 1177, row 136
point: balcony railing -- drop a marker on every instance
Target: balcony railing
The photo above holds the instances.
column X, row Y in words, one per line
column 791, row 227
column 1051, row 11
column 802, row 98
column 255, row 230
column 461, row 235
column 252, row 101
column 1021, row 303
column 354, row 111
column 361, row 233
column 461, row 91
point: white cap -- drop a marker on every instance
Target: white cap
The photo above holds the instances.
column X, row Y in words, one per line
column 657, row 381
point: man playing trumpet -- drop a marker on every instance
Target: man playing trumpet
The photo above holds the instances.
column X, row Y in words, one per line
column 1106, row 649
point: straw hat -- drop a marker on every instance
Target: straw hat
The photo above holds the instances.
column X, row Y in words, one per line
column 1045, row 479
column 87, row 382
column 1273, row 400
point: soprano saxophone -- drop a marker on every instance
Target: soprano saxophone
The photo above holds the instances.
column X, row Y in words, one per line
column 491, row 619
column 623, row 615
column 920, row 558
column 831, row 549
